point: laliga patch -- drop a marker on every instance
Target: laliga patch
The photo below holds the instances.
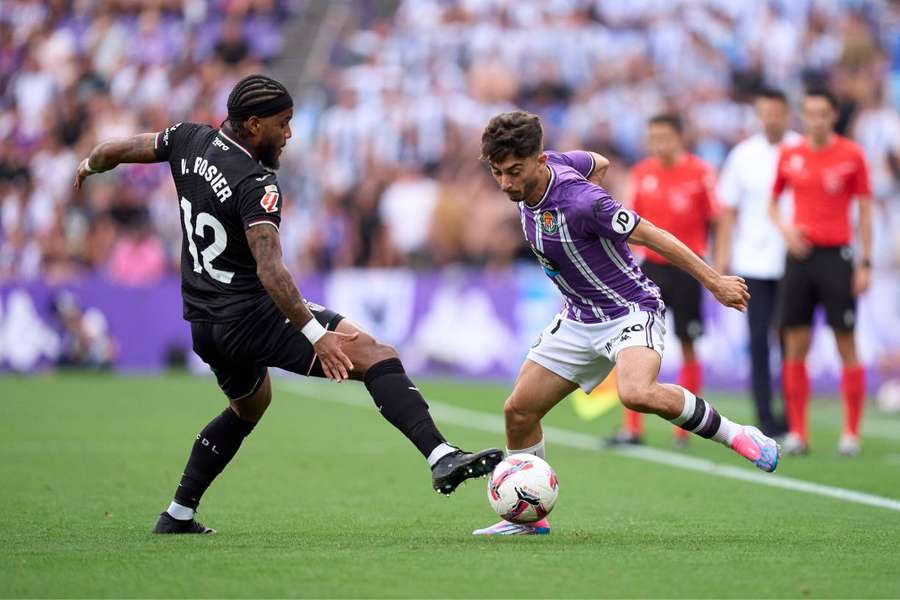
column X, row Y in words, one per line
column 269, row 201
column 549, row 223
column 623, row 221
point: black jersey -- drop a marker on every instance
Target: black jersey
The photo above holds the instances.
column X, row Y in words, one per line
column 222, row 191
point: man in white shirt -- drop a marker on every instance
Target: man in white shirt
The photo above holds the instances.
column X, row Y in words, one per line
column 748, row 242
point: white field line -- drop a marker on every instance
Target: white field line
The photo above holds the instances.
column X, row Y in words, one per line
column 350, row 394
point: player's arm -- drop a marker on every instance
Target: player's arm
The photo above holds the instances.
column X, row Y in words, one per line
column 797, row 244
column 729, row 290
column 601, row 166
column 863, row 193
column 724, row 229
column 108, row 154
column 591, row 165
column 265, row 244
column 863, row 271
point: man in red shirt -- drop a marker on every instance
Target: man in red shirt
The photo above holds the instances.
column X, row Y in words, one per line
column 826, row 173
column 673, row 189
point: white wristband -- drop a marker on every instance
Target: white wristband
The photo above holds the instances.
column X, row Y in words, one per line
column 87, row 166
column 313, row 331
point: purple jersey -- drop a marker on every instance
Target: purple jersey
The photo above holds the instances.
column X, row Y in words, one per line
column 578, row 232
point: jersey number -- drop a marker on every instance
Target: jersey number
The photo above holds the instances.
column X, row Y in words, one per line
column 211, row 252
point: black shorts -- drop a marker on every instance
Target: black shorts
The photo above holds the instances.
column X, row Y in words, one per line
column 240, row 351
column 682, row 296
column 823, row 278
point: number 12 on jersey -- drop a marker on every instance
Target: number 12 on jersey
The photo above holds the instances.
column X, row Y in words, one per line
column 213, row 250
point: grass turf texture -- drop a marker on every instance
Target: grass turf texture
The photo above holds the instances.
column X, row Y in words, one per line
column 327, row 500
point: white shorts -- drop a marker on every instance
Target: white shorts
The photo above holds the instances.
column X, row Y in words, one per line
column 585, row 353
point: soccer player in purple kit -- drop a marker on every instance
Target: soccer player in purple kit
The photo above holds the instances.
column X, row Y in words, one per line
column 613, row 314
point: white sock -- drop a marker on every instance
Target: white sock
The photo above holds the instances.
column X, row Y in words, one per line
column 182, row 513
column 700, row 417
column 728, row 430
column 440, row 452
column 537, row 450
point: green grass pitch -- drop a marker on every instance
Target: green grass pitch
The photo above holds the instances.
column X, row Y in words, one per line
column 327, row 500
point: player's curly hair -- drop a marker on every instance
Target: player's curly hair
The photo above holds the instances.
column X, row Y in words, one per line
column 516, row 133
column 249, row 93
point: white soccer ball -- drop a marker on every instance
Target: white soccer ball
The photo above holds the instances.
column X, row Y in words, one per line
column 523, row 488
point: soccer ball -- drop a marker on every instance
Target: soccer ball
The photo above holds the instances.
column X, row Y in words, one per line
column 523, row 488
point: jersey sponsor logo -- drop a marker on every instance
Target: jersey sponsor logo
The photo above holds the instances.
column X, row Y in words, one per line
column 796, row 162
column 649, row 183
column 622, row 221
column 269, row 201
column 549, row 223
column 549, row 266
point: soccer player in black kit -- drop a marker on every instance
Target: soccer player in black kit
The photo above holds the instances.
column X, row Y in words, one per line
column 245, row 311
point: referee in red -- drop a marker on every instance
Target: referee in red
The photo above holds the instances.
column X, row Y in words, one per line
column 826, row 172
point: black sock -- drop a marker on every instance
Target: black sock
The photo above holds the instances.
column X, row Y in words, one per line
column 402, row 405
column 214, row 447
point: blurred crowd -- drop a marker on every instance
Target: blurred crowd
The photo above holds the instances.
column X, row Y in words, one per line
column 383, row 168
column 74, row 72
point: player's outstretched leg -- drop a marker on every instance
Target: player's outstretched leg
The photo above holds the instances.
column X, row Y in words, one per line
column 400, row 402
column 537, row 390
column 638, row 390
column 213, row 449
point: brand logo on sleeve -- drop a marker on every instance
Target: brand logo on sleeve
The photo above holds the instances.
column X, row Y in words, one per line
column 269, row 201
column 622, row 221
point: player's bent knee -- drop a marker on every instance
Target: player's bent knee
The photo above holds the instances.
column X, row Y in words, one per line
column 636, row 397
column 254, row 407
column 517, row 416
column 383, row 351
column 369, row 353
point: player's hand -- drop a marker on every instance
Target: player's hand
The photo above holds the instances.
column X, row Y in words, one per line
column 731, row 291
column 82, row 173
column 335, row 364
column 797, row 244
column 861, row 277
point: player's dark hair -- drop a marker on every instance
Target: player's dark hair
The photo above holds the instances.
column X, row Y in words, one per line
column 516, row 133
column 670, row 119
column 823, row 92
column 255, row 95
column 770, row 93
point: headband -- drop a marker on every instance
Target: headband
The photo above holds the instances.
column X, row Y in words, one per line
column 266, row 108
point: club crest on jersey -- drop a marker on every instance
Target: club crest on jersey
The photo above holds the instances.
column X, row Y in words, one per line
column 549, row 223
column 269, row 201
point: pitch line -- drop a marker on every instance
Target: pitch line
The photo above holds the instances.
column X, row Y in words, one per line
column 482, row 421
